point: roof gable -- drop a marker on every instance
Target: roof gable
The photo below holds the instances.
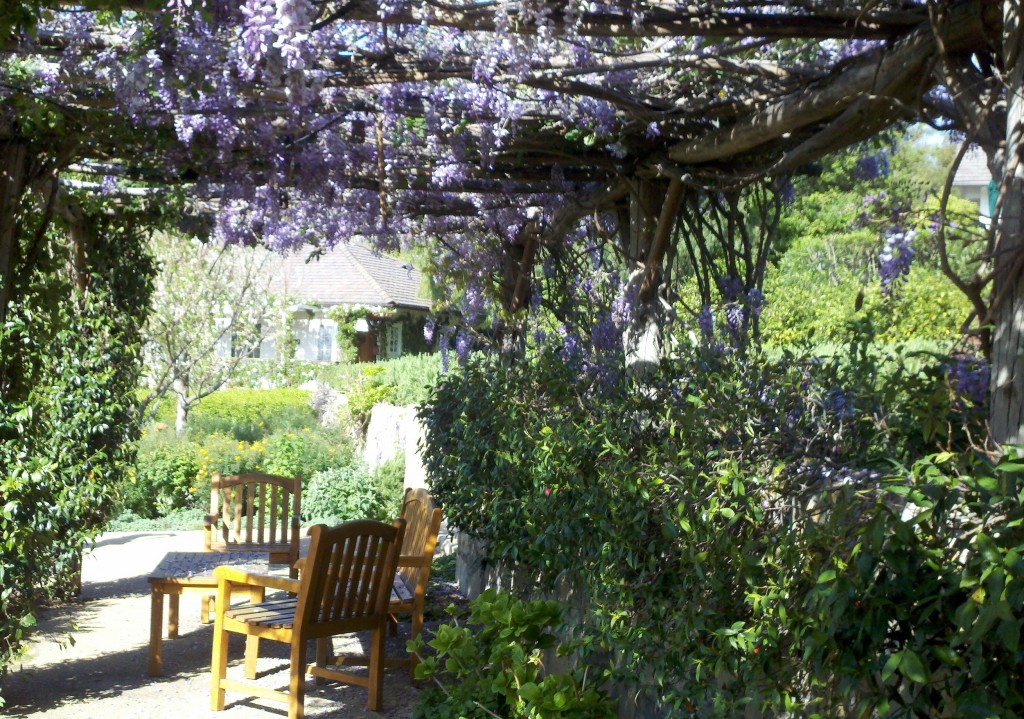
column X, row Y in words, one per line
column 349, row 274
column 973, row 170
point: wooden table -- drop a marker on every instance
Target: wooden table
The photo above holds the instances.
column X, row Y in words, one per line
column 180, row 572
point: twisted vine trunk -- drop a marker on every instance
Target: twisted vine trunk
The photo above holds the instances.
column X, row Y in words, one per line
column 643, row 339
column 1007, row 410
column 13, row 181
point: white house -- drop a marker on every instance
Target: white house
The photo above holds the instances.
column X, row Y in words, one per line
column 356, row 276
column 974, row 182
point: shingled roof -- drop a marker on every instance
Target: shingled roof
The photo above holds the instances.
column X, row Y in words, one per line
column 973, row 170
column 350, row 274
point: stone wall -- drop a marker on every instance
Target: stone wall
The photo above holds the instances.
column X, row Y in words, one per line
column 386, row 433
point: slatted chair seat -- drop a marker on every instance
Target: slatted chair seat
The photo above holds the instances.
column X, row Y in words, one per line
column 345, row 587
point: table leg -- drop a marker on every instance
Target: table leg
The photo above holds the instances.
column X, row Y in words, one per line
column 172, row 616
column 156, row 627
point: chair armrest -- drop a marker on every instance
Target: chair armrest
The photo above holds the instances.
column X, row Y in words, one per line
column 300, row 564
column 234, row 575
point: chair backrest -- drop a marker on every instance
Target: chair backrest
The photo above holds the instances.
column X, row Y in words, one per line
column 423, row 522
column 348, row 576
column 251, row 510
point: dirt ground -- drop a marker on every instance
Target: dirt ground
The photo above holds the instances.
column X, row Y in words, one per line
column 103, row 673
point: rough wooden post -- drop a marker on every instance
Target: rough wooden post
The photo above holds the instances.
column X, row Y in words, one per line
column 1007, row 410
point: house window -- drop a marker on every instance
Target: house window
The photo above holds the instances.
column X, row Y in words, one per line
column 393, row 346
column 324, row 343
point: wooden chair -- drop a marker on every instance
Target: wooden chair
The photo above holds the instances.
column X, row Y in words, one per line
column 345, row 588
column 408, row 594
column 255, row 512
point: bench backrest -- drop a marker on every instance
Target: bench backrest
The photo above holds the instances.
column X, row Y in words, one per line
column 423, row 522
column 253, row 511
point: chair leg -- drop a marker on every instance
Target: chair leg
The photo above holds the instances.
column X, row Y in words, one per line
column 218, row 664
column 417, row 629
column 252, row 653
column 205, row 608
column 375, row 688
column 297, row 680
column 324, row 657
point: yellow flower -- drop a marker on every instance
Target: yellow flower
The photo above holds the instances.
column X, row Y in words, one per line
column 238, row 457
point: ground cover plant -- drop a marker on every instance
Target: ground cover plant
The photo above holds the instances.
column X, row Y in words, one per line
column 739, row 524
column 493, row 665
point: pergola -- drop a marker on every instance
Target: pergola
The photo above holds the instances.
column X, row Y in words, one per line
column 502, row 132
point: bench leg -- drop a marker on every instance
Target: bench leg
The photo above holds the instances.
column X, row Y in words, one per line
column 172, row 616
column 156, row 628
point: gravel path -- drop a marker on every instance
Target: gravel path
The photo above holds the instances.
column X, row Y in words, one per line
column 103, row 674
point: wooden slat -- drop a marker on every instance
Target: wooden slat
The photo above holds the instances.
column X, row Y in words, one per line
column 331, row 606
column 263, row 504
column 400, row 592
column 352, row 557
column 254, row 690
column 273, row 513
column 237, row 499
column 250, row 510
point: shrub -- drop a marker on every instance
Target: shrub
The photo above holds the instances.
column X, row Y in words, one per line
column 306, row 452
column 249, row 414
column 226, row 455
column 698, row 511
column 176, row 519
column 495, row 669
column 372, row 388
column 70, row 364
column 341, row 494
column 389, row 483
column 412, row 376
column 165, row 476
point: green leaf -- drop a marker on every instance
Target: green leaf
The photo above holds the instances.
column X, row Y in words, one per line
column 891, row 664
column 912, row 668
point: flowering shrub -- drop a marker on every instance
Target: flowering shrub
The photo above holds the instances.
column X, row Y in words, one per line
column 702, row 512
column 165, row 477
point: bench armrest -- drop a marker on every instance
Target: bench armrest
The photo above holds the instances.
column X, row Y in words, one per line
column 414, row 560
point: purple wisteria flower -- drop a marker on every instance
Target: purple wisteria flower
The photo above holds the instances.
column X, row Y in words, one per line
column 755, row 301
column 969, row 376
column 463, row 345
column 428, row 330
column 706, row 321
column 895, row 260
column 784, row 186
column 735, row 317
column 731, row 288
column 873, row 166
column 605, row 336
column 572, row 348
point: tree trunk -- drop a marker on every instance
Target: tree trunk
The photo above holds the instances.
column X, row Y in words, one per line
column 180, row 388
column 643, row 336
column 1007, row 410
